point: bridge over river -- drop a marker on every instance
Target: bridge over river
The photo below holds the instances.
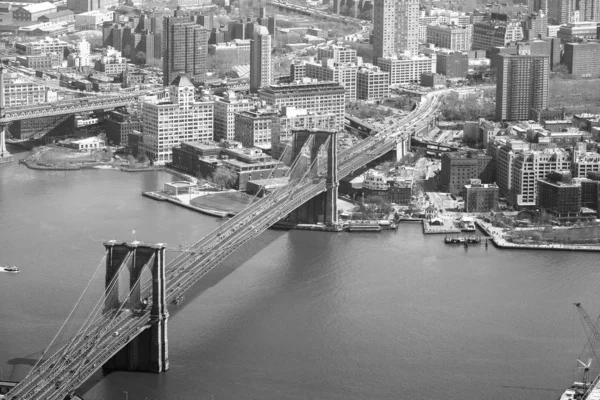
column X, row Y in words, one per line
column 131, row 334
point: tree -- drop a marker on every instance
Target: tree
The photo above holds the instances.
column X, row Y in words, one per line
column 224, row 178
column 140, row 57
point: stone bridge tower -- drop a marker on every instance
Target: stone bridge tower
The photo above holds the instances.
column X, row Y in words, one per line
column 148, row 352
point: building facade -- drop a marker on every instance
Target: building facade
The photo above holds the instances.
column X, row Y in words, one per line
column 458, row 168
column 582, row 59
column 185, row 49
column 170, row 121
column 261, row 68
column 372, row 83
column 225, row 109
column 320, row 97
column 452, row 37
column 480, row 197
column 522, row 86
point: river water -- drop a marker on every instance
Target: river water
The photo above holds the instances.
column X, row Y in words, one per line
column 295, row 315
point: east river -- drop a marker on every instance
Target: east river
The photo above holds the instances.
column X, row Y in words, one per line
column 295, row 315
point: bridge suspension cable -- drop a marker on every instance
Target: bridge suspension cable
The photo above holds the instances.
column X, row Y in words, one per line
column 103, row 261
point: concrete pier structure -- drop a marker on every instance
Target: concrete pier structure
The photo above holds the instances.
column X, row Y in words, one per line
column 148, row 352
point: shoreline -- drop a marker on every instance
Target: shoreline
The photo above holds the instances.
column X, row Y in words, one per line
column 502, row 243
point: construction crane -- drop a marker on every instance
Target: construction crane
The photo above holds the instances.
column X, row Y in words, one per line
column 592, row 331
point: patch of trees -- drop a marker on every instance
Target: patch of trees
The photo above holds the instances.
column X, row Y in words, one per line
column 469, row 107
column 224, row 178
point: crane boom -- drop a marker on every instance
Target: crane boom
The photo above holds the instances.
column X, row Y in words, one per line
column 592, row 329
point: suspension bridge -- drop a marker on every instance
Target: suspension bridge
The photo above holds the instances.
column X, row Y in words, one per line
column 129, row 332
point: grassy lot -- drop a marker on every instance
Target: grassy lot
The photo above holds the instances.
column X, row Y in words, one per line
column 227, row 201
column 575, row 95
column 61, row 155
column 573, row 235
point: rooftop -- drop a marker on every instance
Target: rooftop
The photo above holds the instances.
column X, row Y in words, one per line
column 33, row 8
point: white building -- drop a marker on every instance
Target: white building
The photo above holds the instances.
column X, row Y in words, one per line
column 177, row 118
column 92, row 19
column 329, row 70
column 375, row 180
column 224, row 114
column 372, row 83
column 407, row 69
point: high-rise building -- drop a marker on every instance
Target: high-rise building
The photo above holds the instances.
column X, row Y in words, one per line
column 185, row 49
column 407, row 69
column 372, row 83
column 339, row 54
column 81, row 6
column 492, row 33
column 261, row 68
column 561, row 11
column 253, row 127
column 452, row 64
column 321, row 97
column 328, row 70
column 225, row 109
column 458, row 168
column 453, row 37
column 522, row 86
column 395, row 28
column 537, row 5
column 384, row 29
column 582, row 59
column 269, row 22
column 535, row 26
column 407, row 27
column 181, row 118
column 589, row 10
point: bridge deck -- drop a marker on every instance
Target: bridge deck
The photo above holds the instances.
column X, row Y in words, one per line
column 62, row 374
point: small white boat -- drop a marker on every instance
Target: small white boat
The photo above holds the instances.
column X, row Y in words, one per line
column 12, row 269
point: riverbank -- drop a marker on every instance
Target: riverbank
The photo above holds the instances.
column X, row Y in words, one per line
column 497, row 235
column 160, row 197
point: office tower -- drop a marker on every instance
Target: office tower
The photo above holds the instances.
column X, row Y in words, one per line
column 185, row 49
column 522, row 85
column 261, row 70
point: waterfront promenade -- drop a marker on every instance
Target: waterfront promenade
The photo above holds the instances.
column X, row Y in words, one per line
column 497, row 234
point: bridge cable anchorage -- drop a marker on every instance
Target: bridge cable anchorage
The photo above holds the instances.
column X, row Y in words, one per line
column 103, row 261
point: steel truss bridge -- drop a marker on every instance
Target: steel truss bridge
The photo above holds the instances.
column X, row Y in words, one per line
column 62, row 373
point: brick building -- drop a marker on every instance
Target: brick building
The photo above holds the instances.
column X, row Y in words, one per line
column 458, row 168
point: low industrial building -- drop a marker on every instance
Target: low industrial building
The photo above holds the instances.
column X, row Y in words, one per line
column 202, row 159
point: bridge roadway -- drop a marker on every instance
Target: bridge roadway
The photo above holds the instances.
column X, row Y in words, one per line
column 62, row 373
column 83, row 104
